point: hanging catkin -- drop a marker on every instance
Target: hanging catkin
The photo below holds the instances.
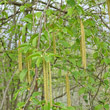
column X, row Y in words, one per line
column 50, row 84
column 108, row 5
column 28, row 66
column 28, row 73
column 19, row 58
column 46, row 65
column 54, row 43
column 44, row 73
column 68, row 91
column 83, row 46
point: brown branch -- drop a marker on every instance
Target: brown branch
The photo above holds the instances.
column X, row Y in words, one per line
column 104, row 22
column 52, row 6
column 96, row 93
column 40, row 31
column 64, row 93
column 10, row 16
column 3, row 45
column 20, row 4
column 13, row 3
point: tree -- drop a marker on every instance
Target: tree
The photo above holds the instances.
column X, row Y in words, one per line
column 54, row 54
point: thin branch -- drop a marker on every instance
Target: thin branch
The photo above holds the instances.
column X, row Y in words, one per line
column 52, row 6
column 104, row 22
column 64, row 93
column 40, row 31
column 4, row 95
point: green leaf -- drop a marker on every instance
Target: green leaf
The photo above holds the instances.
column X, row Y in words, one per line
column 46, row 107
column 35, row 101
column 38, row 14
column 70, row 11
column 34, row 42
column 5, row 14
column 106, row 106
column 71, row 108
column 23, row 74
column 24, row 30
column 106, row 82
column 39, row 60
column 21, row 104
column 49, row 11
column 38, row 54
column 79, row 10
column 22, row 8
column 98, row 107
column 26, row 19
column 95, row 55
column 16, row 94
column 106, row 75
column 85, row 98
column 35, row 94
column 71, row 2
column 81, row 91
column 29, row 26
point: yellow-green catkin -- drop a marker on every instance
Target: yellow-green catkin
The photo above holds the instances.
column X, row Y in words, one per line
column 28, row 66
column 45, row 81
column 19, row 58
column 108, row 5
column 83, row 45
column 50, row 84
column 68, row 91
column 54, row 43
column 28, row 73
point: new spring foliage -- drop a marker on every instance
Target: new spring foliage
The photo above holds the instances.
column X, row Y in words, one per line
column 19, row 57
column 83, row 46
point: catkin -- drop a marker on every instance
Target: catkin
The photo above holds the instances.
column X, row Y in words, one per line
column 28, row 66
column 28, row 73
column 44, row 73
column 47, row 81
column 54, row 44
column 83, row 46
column 68, row 91
column 108, row 5
column 50, row 84
column 19, row 58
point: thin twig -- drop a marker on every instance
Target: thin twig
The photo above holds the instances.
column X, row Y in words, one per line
column 4, row 95
column 40, row 31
